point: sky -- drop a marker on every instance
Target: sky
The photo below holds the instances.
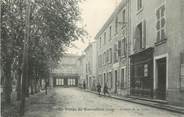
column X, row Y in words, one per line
column 94, row 14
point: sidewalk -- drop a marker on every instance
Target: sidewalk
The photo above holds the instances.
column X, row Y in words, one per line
column 150, row 103
column 40, row 105
column 13, row 110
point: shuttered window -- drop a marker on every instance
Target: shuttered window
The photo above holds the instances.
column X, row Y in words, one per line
column 110, row 33
column 119, row 48
column 140, row 36
column 100, row 45
column 116, row 25
column 161, row 22
column 104, row 37
column 123, row 48
column 139, row 4
column 115, row 53
column 110, row 53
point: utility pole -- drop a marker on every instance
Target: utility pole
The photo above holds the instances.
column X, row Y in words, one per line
column 25, row 58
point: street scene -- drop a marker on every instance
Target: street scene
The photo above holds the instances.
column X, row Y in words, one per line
column 68, row 102
column 94, row 58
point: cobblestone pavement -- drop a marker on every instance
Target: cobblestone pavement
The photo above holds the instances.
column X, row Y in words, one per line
column 73, row 102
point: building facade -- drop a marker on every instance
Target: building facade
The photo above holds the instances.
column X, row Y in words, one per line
column 113, row 51
column 140, row 51
column 156, row 60
column 90, row 59
column 67, row 72
column 82, row 70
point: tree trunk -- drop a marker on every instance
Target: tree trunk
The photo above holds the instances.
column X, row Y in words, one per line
column 27, row 87
column 31, row 81
column 8, row 82
column 19, row 74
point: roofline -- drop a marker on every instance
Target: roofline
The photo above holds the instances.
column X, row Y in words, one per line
column 109, row 20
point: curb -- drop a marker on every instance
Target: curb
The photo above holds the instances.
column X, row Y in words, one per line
column 146, row 103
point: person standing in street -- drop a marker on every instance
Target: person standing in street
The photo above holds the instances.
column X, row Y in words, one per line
column 105, row 89
column 99, row 88
column 84, row 85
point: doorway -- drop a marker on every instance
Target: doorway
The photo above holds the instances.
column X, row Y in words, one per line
column 161, row 78
column 104, row 80
column 116, row 82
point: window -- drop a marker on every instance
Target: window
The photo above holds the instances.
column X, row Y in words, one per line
column 122, row 78
column 73, row 82
column 139, row 4
column 101, row 61
column 57, row 81
column 123, row 16
column 115, row 53
column 110, row 53
column 123, row 48
column 104, row 78
column 116, row 25
column 110, row 33
column 160, row 14
column 146, row 70
column 62, row 81
column 104, row 58
column 182, row 72
column 140, row 36
column 119, row 48
column 104, row 37
column 107, row 56
column 110, row 80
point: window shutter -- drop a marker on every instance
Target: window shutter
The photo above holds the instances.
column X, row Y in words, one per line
column 144, row 34
column 119, row 48
column 125, row 47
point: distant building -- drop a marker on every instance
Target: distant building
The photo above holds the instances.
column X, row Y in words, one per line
column 90, row 59
column 67, row 72
column 82, row 70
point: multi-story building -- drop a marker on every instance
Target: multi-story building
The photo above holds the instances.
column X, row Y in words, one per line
column 67, row 71
column 157, row 47
column 82, row 70
column 90, row 59
column 113, row 52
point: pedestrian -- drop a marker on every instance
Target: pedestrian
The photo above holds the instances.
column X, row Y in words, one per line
column 84, row 85
column 105, row 89
column 99, row 88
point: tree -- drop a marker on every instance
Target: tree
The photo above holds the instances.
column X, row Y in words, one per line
column 52, row 26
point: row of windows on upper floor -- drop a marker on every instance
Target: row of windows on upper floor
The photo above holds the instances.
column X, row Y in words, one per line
column 112, row 55
column 140, row 31
column 118, row 24
column 139, row 41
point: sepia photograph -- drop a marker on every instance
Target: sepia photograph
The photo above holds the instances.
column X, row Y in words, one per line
column 91, row 58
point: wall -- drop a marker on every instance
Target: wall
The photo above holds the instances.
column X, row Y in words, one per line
column 122, row 32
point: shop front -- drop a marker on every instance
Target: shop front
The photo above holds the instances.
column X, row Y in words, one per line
column 141, row 77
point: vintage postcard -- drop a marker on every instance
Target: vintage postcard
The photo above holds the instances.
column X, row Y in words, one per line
column 92, row 58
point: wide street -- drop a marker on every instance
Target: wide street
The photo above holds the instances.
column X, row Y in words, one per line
column 74, row 102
